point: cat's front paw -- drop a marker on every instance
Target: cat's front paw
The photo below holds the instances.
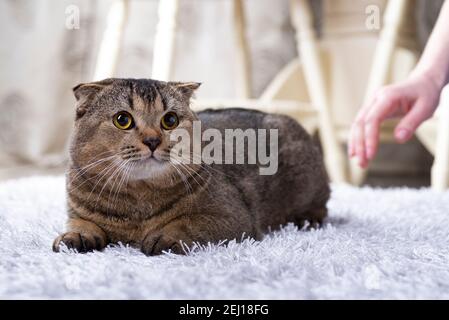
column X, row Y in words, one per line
column 154, row 244
column 82, row 242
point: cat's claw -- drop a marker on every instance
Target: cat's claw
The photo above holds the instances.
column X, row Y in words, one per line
column 155, row 244
column 82, row 242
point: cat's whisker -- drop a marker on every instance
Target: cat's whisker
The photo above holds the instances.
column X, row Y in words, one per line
column 178, row 161
column 117, row 176
column 111, row 176
column 199, row 159
column 94, row 158
column 186, row 184
column 124, row 173
column 103, row 175
column 82, row 170
column 91, row 165
column 208, row 168
column 132, row 166
column 127, row 175
column 76, row 187
column 191, row 172
column 86, row 180
column 205, row 167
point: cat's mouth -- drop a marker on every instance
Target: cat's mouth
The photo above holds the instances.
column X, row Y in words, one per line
column 152, row 158
column 147, row 166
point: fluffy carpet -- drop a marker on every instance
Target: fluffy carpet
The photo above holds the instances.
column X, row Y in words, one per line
column 376, row 244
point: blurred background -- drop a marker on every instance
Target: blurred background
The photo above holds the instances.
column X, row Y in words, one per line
column 258, row 53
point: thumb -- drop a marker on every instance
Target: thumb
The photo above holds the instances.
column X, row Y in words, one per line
column 411, row 121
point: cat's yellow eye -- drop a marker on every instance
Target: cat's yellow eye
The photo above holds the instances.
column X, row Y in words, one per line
column 123, row 120
column 169, row 121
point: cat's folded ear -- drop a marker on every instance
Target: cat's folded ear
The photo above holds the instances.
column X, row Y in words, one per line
column 85, row 91
column 88, row 89
column 186, row 88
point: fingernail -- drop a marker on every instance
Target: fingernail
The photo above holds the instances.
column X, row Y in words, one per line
column 402, row 134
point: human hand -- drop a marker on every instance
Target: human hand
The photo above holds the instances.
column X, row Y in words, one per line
column 414, row 100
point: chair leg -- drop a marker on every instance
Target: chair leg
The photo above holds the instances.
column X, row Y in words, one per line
column 440, row 178
column 357, row 174
column 111, row 41
column 242, row 52
column 440, row 168
column 334, row 156
column 393, row 17
column 164, row 43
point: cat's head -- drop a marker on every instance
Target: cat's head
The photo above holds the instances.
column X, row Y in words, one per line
column 124, row 125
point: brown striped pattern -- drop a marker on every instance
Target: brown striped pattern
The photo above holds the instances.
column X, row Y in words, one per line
column 117, row 193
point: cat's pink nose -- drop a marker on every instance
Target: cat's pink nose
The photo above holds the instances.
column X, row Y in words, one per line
column 152, row 142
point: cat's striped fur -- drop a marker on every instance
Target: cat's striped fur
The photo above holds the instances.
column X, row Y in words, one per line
column 116, row 193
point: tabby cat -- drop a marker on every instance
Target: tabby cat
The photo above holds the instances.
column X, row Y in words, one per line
column 123, row 186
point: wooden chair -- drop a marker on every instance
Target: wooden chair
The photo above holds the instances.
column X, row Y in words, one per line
column 395, row 56
column 323, row 89
column 163, row 66
column 112, row 40
column 434, row 134
column 164, row 47
column 333, row 72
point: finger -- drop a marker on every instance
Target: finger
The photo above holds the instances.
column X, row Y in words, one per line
column 353, row 132
column 384, row 106
column 359, row 143
column 371, row 138
column 408, row 125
